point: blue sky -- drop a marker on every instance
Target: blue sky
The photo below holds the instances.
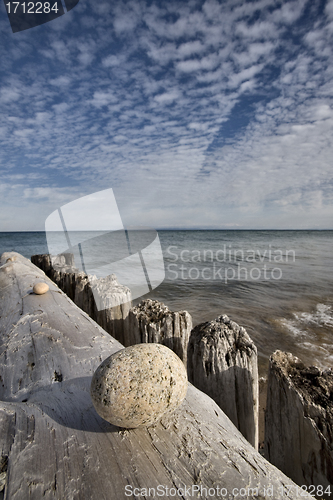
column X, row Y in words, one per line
column 198, row 114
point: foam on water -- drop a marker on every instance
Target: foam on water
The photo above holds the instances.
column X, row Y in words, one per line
column 292, row 327
column 322, row 316
column 304, row 322
column 314, row 333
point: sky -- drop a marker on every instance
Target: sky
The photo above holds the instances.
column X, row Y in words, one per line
column 197, row 114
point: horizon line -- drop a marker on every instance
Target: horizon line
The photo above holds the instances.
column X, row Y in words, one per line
column 180, row 229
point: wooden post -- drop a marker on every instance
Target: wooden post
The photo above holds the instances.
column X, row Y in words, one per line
column 152, row 321
column 222, row 362
column 299, row 421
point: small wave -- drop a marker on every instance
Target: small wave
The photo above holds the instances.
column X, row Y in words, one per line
column 321, row 317
column 301, row 325
column 315, row 347
column 312, row 332
column 321, row 357
column 291, row 325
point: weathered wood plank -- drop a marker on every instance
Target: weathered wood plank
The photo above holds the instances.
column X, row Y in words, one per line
column 56, row 444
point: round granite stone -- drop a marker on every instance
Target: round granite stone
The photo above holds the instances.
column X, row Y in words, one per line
column 40, row 288
column 136, row 386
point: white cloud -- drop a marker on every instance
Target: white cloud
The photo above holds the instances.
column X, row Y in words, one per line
column 8, row 95
column 61, row 81
column 322, row 111
column 111, row 61
column 257, row 31
column 85, row 57
column 102, row 99
column 190, row 48
column 206, row 63
column 167, row 97
column 254, row 52
column 329, row 9
column 60, row 50
column 289, row 12
column 61, row 108
column 23, row 133
column 236, row 79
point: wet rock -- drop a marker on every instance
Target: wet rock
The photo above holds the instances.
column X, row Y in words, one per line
column 137, row 385
column 299, row 420
column 222, row 362
column 152, row 321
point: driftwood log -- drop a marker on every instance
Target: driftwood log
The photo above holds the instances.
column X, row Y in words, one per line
column 299, row 421
column 53, row 444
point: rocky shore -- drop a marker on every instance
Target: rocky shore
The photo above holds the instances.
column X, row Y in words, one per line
column 220, row 356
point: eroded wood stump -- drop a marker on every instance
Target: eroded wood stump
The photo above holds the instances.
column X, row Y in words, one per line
column 152, row 321
column 299, row 421
column 105, row 301
column 222, row 362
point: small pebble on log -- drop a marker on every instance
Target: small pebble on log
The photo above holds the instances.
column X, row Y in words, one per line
column 40, row 288
column 136, row 386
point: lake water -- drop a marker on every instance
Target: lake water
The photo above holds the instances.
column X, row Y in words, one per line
column 277, row 284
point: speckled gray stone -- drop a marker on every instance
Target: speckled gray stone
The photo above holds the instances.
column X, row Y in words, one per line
column 136, row 386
